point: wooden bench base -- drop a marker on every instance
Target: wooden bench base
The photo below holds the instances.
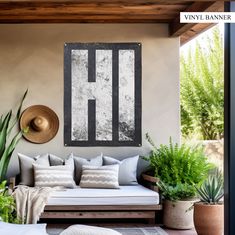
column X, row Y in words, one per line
column 101, row 212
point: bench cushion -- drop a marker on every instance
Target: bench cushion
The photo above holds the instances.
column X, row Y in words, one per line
column 126, row 195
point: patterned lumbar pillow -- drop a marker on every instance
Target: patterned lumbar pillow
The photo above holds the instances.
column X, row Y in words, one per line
column 79, row 162
column 54, row 176
column 127, row 169
column 99, row 177
column 26, row 167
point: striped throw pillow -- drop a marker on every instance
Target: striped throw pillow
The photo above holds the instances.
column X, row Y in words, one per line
column 54, row 176
column 100, row 177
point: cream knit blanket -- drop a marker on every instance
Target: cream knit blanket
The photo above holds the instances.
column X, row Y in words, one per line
column 30, row 202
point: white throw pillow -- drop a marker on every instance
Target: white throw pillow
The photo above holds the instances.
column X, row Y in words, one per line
column 22, row 229
column 88, row 230
column 26, row 167
column 53, row 176
column 79, row 162
column 99, row 177
column 127, row 169
column 55, row 161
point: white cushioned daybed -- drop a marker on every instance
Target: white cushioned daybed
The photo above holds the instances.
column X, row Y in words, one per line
column 102, row 187
column 126, row 195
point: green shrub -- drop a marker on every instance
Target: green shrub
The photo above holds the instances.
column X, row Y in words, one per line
column 179, row 167
column 7, row 205
column 202, row 90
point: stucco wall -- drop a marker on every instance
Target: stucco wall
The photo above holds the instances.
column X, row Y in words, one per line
column 31, row 56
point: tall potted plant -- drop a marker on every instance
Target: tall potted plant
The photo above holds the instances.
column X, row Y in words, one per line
column 209, row 212
column 179, row 168
column 8, row 143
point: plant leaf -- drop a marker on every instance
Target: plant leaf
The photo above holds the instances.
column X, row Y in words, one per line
column 18, row 113
column 7, row 154
column 3, row 132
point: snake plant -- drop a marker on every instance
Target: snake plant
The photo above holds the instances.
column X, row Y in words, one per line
column 7, row 142
column 212, row 189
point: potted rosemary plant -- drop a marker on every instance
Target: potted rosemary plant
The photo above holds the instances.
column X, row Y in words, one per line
column 179, row 168
column 209, row 212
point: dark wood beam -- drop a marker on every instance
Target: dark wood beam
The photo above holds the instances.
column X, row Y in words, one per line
column 93, row 11
column 87, row 7
column 107, row 11
column 194, row 31
column 81, row 21
column 178, row 29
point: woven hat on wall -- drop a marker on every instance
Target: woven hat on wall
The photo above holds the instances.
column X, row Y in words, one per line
column 42, row 122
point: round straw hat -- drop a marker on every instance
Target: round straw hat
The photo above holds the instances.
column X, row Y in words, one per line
column 42, row 123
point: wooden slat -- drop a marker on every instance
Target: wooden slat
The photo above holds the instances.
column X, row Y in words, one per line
column 176, row 28
column 199, row 28
column 88, row 11
column 102, row 208
column 149, row 178
column 70, row 8
column 12, row 183
column 193, row 32
column 133, row 2
column 71, row 21
column 100, row 215
column 88, row 17
column 179, row 29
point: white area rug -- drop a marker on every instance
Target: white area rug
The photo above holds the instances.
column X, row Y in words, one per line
column 123, row 231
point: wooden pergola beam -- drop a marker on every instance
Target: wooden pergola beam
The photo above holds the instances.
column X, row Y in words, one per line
column 194, row 31
column 186, row 30
column 109, row 11
column 177, row 29
column 93, row 11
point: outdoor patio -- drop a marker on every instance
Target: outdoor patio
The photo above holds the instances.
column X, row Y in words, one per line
column 102, row 82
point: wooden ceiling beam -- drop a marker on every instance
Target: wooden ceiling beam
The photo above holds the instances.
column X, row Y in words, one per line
column 56, row 9
column 88, row 11
column 199, row 28
column 81, row 21
column 86, row 18
column 194, row 31
column 189, row 30
column 109, row 11
column 177, row 29
column 101, row 2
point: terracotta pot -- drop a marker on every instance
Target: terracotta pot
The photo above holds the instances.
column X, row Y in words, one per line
column 208, row 219
column 178, row 214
